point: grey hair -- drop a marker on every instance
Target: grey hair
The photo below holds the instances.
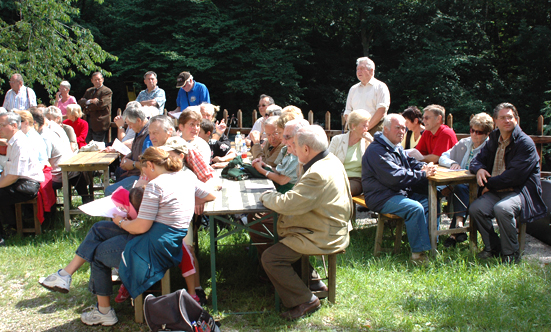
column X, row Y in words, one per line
column 366, row 62
column 165, row 121
column 270, row 99
column 209, row 108
column 297, row 124
column 271, row 121
column 18, row 77
column 96, row 73
column 13, row 118
column 314, row 137
column 53, row 111
column 388, row 119
column 149, row 73
column 65, row 84
column 3, row 110
column 134, row 111
column 273, row 110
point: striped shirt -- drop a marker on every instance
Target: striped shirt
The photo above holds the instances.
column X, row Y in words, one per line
column 170, row 198
column 23, row 100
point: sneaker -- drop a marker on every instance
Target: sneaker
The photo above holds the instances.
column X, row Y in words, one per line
column 94, row 317
column 56, row 282
column 514, row 258
column 123, row 295
column 202, row 296
column 196, row 298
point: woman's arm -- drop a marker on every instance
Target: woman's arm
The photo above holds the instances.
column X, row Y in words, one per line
column 136, row 226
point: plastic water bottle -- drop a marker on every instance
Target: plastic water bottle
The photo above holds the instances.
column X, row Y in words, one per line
column 244, row 151
column 237, row 141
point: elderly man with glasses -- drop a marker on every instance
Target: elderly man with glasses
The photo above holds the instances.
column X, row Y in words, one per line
column 270, row 150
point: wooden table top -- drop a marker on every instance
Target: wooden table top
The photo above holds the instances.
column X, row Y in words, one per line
column 444, row 175
column 84, row 159
column 239, row 197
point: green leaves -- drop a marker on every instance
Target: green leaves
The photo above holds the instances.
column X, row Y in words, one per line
column 39, row 39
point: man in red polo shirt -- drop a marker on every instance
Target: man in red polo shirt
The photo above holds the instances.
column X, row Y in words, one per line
column 437, row 137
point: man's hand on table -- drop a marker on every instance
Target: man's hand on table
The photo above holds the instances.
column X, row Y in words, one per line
column 430, row 169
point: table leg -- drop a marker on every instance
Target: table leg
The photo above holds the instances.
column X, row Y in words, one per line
column 473, row 191
column 66, row 200
column 212, row 230
column 433, row 216
column 276, row 239
column 105, row 178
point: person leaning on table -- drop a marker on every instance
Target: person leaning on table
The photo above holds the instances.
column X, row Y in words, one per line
column 350, row 147
column 507, row 168
column 314, row 221
column 459, row 157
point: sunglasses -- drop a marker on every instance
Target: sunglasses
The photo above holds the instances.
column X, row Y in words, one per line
column 477, row 132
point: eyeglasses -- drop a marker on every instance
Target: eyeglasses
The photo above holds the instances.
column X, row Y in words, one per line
column 275, row 133
column 2, row 125
column 505, row 117
column 477, row 132
column 287, row 137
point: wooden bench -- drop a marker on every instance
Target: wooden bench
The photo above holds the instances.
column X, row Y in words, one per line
column 330, row 275
column 138, row 301
column 37, row 229
column 381, row 220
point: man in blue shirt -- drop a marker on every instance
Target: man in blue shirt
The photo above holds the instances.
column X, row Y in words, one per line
column 192, row 93
column 153, row 95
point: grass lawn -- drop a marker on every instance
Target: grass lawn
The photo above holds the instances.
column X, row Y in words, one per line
column 454, row 292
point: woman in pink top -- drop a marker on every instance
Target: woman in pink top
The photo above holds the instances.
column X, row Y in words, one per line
column 63, row 99
column 74, row 114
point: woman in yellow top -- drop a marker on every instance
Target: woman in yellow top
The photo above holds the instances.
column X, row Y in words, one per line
column 350, row 148
column 414, row 123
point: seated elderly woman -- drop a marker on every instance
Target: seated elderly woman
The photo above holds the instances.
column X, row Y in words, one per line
column 459, row 157
column 189, row 124
column 74, row 115
column 142, row 248
column 350, row 148
column 414, row 123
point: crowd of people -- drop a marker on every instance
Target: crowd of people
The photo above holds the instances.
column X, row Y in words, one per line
column 169, row 175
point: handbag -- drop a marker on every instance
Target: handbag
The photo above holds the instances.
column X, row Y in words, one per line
column 177, row 311
column 238, row 170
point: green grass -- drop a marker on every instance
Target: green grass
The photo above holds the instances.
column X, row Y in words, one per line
column 454, row 292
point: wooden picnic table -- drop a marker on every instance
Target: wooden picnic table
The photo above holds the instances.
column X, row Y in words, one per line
column 83, row 162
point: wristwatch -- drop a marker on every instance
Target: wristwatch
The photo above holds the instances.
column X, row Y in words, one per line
column 134, row 164
column 121, row 127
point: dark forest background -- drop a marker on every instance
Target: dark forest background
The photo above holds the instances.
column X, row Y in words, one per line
column 465, row 55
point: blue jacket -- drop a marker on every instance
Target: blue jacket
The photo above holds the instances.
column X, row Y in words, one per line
column 387, row 172
column 522, row 171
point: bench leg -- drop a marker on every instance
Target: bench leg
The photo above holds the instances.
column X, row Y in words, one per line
column 332, row 277
column 398, row 239
column 379, row 235
column 138, row 309
column 522, row 237
column 37, row 226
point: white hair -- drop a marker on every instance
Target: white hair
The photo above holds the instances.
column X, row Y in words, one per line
column 388, row 119
column 297, row 124
column 271, row 121
column 65, row 84
column 365, row 61
column 314, row 137
column 209, row 108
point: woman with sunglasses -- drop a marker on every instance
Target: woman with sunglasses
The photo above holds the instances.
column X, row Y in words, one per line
column 142, row 248
column 459, row 157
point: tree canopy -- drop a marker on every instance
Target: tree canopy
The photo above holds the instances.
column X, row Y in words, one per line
column 466, row 56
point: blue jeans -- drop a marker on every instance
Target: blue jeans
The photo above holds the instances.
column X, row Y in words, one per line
column 415, row 212
column 102, row 248
column 126, row 183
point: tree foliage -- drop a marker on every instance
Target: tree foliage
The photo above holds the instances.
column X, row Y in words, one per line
column 39, row 39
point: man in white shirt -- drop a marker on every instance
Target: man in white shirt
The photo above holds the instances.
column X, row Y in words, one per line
column 21, row 177
column 19, row 96
column 370, row 94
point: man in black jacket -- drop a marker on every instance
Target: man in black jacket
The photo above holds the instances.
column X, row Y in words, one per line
column 507, row 169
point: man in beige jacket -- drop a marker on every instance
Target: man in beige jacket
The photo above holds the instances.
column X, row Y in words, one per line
column 314, row 218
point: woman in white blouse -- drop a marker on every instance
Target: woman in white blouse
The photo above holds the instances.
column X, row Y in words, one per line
column 350, row 148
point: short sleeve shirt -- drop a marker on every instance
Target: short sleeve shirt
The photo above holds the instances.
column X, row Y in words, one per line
column 436, row 144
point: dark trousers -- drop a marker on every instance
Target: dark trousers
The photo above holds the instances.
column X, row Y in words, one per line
column 98, row 136
column 21, row 191
column 81, row 185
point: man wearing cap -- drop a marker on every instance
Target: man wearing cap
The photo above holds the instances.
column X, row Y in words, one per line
column 153, row 95
column 192, row 93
